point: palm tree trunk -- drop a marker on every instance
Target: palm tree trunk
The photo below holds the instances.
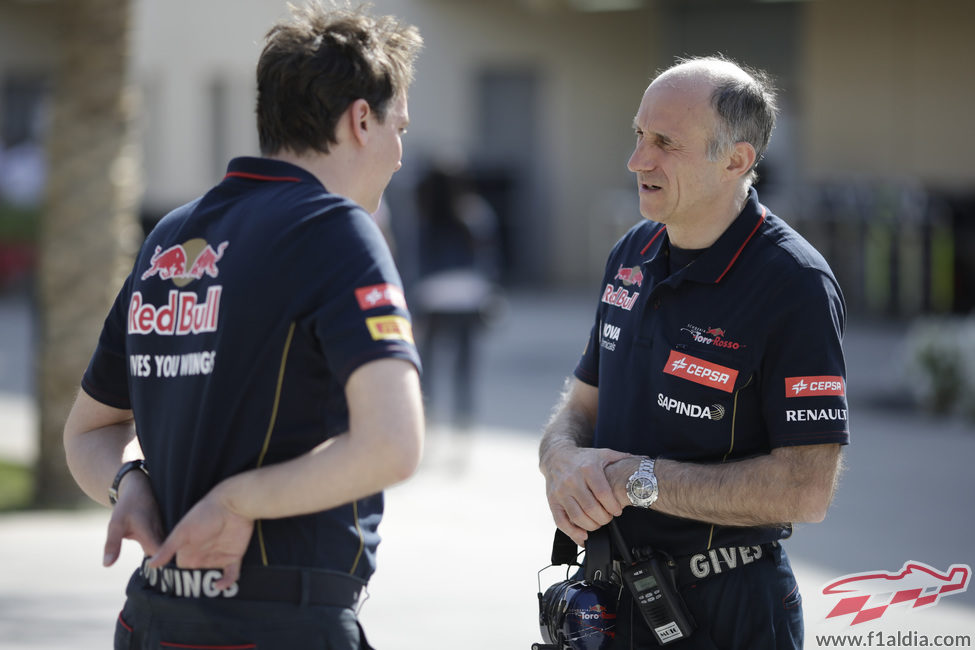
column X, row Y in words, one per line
column 89, row 212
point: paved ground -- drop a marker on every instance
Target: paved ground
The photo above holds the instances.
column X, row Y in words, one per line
column 465, row 538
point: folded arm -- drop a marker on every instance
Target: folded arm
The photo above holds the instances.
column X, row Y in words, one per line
column 382, row 447
column 790, row 484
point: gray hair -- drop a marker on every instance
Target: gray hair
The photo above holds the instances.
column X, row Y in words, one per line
column 744, row 100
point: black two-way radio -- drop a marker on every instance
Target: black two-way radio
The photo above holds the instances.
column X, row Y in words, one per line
column 652, row 586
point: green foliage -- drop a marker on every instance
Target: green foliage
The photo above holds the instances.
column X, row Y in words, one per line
column 18, row 224
column 16, row 486
column 941, row 364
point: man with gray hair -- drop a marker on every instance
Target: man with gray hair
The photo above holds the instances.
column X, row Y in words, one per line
column 709, row 408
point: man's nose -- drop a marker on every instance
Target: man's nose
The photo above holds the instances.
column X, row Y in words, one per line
column 641, row 159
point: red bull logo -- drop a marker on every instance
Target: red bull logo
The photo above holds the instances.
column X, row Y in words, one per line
column 630, row 276
column 869, row 595
column 619, row 297
column 182, row 314
column 173, row 262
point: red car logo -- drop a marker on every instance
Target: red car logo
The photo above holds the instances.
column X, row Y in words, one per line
column 868, row 595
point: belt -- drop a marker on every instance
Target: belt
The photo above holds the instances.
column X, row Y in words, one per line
column 698, row 566
column 296, row 585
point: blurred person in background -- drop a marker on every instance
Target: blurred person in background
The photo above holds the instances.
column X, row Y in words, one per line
column 708, row 410
column 255, row 386
column 457, row 290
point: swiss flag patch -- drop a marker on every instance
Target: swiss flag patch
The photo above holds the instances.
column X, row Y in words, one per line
column 379, row 295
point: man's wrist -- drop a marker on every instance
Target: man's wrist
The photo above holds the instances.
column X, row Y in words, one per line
column 124, row 471
column 554, row 448
column 641, row 485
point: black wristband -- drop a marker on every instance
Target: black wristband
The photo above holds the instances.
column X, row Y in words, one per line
column 125, row 469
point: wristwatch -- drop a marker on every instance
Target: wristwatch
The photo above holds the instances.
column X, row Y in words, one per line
column 641, row 487
column 125, row 469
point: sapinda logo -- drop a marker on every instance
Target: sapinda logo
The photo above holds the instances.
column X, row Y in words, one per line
column 869, row 595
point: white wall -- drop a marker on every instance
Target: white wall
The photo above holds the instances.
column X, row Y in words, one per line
column 593, row 69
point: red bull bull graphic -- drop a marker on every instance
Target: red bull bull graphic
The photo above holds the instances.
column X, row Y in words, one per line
column 868, row 596
column 630, row 276
column 173, row 262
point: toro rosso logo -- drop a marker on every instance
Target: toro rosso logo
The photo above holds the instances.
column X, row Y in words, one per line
column 868, row 595
column 173, row 263
column 714, row 336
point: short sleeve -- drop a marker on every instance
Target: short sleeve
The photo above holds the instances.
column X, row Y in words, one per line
column 106, row 378
column 364, row 316
column 804, row 371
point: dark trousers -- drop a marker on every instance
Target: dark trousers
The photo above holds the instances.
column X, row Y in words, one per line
column 754, row 607
column 154, row 621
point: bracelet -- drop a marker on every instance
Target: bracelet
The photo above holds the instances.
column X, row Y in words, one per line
column 125, row 469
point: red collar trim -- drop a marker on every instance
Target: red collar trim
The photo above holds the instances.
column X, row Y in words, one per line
column 652, row 239
column 261, row 177
column 734, row 259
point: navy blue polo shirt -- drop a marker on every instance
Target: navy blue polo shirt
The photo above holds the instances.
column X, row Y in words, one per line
column 245, row 313
column 729, row 357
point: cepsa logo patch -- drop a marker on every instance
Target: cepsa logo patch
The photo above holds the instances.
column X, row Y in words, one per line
column 816, row 386
column 390, row 328
column 700, row 371
column 380, row 295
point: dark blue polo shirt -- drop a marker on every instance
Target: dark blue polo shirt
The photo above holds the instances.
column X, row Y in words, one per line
column 245, row 313
column 729, row 357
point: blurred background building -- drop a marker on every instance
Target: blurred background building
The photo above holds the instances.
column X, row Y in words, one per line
column 536, row 98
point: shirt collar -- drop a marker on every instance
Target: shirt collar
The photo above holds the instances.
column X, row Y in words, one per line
column 714, row 263
column 268, row 170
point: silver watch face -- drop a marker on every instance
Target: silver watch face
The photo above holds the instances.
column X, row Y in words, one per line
column 642, row 488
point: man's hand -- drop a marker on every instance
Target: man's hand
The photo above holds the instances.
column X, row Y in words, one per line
column 135, row 516
column 210, row 535
column 580, row 496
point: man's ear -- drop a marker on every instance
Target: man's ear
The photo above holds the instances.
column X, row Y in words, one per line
column 742, row 159
column 358, row 119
